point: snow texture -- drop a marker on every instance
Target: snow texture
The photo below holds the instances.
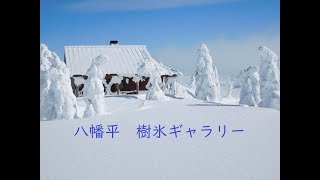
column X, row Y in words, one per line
column 180, row 91
column 149, row 69
column 269, row 79
column 93, row 87
column 250, row 155
column 57, row 100
column 250, row 88
column 207, row 80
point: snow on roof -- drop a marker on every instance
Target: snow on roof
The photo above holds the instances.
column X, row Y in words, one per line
column 124, row 59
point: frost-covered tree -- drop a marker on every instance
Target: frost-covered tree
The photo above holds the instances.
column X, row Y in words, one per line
column 148, row 69
column 207, row 80
column 269, row 79
column 93, row 88
column 193, row 82
column 57, row 99
column 230, row 84
column 237, row 82
column 60, row 94
column 250, row 88
column 89, row 112
column 216, row 80
column 45, row 81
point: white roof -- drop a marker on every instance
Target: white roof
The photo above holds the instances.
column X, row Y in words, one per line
column 124, row 59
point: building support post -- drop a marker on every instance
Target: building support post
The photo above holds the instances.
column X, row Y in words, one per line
column 77, row 91
column 118, row 88
column 137, row 87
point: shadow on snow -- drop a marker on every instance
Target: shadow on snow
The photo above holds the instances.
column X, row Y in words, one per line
column 122, row 96
column 216, row 104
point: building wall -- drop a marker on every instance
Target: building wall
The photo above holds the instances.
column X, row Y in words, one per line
column 124, row 86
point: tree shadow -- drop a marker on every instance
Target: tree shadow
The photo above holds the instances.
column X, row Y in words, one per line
column 122, row 96
column 216, row 104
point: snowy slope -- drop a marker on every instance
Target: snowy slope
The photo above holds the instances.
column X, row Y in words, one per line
column 251, row 154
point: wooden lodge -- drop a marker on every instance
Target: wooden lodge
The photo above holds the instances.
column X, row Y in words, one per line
column 119, row 72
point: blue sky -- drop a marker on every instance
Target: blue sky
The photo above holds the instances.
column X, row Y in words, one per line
column 171, row 29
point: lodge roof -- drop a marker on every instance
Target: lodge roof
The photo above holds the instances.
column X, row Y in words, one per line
column 124, row 59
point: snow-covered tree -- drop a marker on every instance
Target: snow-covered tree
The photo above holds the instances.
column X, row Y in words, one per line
column 269, row 79
column 89, row 112
column 45, row 81
column 216, row 80
column 57, row 99
column 93, row 88
column 148, row 69
column 250, row 88
column 230, row 84
column 237, row 81
column 207, row 80
column 193, row 82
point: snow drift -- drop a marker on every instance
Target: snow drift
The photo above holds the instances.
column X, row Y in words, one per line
column 252, row 154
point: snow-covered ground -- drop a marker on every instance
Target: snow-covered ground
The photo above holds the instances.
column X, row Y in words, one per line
column 253, row 154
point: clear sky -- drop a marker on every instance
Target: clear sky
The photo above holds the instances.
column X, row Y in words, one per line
column 172, row 30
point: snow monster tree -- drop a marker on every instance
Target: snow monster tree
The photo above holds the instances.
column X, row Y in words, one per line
column 250, row 88
column 93, row 88
column 269, row 79
column 207, row 80
column 150, row 70
column 57, row 100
